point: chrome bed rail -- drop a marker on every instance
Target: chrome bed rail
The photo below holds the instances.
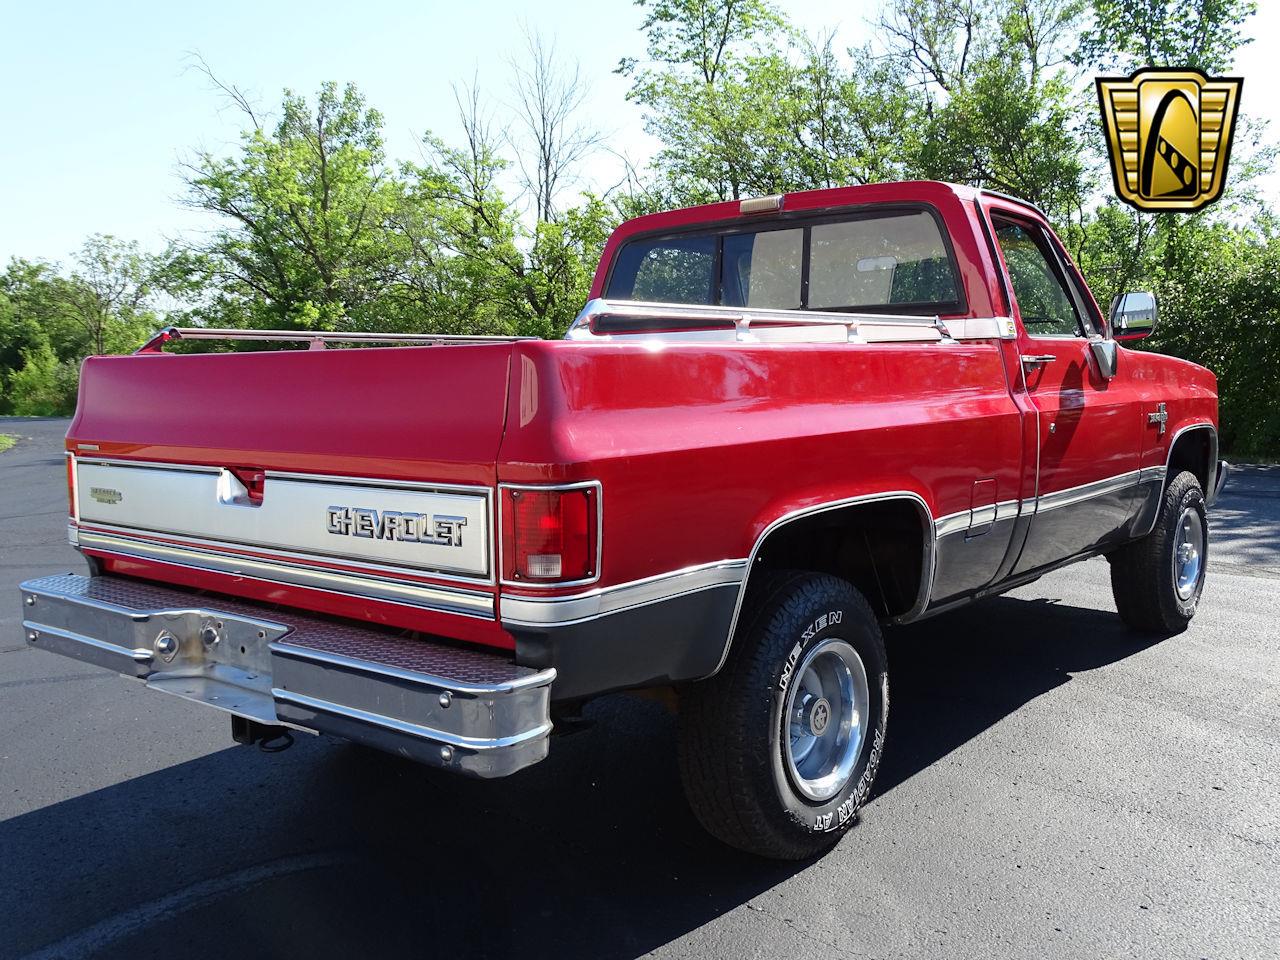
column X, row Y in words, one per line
column 603, row 319
column 317, row 340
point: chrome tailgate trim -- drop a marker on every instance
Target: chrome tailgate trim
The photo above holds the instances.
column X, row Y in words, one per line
column 436, row 597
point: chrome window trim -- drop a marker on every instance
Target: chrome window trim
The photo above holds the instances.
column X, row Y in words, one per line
column 439, row 599
column 543, row 487
column 928, row 560
column 581, row 607
column 486, row 579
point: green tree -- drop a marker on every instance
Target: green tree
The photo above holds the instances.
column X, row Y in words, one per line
column 709, row 87
column 975, row 91
column 996, row 98
column 108, row 294
column 311, row 205
column 1126, row 34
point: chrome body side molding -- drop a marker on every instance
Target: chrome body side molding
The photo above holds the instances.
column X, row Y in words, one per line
column 966, row 520
column 525, row 611
column 1085, row 491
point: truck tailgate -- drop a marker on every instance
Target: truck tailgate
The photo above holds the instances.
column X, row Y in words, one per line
column 405, row 412
column 355, row 481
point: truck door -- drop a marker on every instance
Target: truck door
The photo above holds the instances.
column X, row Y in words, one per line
column 1088, row 426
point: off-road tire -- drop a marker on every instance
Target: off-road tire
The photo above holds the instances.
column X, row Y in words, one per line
column 1142, row 579
column 732, row 752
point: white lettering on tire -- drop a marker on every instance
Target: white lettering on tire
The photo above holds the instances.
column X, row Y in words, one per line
column 826, row 620
column 843, row 814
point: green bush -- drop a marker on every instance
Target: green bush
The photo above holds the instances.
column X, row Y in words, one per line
column 44, row 386
column 1223, row 312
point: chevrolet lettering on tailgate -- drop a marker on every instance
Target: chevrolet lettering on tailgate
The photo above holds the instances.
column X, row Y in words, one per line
column 441, row 531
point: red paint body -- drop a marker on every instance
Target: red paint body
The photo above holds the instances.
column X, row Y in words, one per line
column 697, row 447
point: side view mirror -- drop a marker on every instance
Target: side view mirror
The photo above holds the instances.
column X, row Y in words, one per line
column 1133, row 315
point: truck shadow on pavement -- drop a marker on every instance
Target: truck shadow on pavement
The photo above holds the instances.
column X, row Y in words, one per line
column 330, row 851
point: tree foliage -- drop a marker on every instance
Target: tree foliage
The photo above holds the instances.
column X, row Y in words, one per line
column 1126, row 34
column 493, row 233
column 51, row 318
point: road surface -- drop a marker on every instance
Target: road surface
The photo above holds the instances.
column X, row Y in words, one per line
column 1053, row 787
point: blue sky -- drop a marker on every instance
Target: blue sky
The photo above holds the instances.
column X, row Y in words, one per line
column 100, row 104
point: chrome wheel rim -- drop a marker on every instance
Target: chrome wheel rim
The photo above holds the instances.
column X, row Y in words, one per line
column 1188, row 553
column 825, row 721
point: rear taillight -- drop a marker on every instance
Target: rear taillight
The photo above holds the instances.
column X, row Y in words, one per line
column 71, row 486
column 550, row 535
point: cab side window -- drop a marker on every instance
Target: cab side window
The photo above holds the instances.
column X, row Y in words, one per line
column 1043, row 300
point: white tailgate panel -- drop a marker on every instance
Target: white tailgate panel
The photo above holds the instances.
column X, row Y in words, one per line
column 295, row 514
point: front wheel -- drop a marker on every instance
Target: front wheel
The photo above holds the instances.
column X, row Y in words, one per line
column 1157, row 581
column 779, row 750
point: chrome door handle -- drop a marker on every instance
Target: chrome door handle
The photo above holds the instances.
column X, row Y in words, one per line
column 1034, row 358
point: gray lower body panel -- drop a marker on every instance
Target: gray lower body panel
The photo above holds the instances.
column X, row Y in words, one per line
column 965, row 563
column 1087, row 524
column 463, row 709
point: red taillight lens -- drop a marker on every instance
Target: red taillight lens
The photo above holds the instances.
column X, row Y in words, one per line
column 549, row 536
column 71, row 486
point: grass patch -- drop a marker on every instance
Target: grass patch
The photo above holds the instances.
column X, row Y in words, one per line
column 7, row 440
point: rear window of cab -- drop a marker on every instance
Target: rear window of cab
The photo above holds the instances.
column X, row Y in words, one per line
column 885, row 261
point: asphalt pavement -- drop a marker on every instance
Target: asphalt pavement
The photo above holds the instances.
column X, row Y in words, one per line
column 1053, row 787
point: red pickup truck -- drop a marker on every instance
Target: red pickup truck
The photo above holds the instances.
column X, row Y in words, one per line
column 779, row 424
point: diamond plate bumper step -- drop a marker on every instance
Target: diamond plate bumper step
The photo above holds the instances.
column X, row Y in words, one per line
column 465, row 710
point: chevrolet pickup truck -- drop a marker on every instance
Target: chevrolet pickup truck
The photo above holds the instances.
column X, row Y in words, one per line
column 778, row 425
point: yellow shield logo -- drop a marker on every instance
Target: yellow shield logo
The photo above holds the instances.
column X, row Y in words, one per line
column 1169, row 136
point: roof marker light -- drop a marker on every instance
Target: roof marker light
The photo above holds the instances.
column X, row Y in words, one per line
column 761, row 204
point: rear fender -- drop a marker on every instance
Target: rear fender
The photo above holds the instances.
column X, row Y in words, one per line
column 852, row 504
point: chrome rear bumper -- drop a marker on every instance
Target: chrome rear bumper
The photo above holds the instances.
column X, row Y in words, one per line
column 468, row 711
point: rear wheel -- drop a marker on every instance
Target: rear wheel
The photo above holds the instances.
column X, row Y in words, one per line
column 779, row 750
column 1157, row 581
